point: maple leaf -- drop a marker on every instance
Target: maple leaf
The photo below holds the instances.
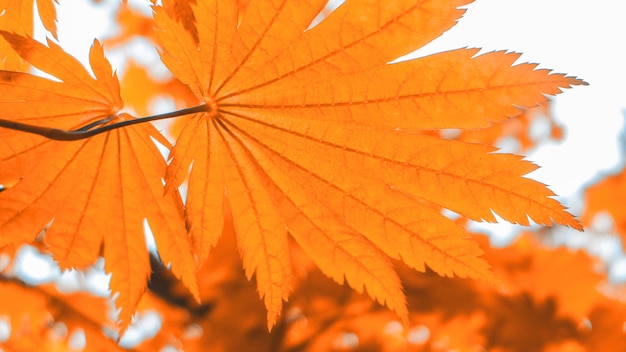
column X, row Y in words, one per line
column 310, row 132
column 18, row 17
column 94, row 192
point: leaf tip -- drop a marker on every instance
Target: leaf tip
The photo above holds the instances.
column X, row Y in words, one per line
column 575, row 81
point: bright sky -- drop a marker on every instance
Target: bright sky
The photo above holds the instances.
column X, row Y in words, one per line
column 581, row 38
column 578, row 37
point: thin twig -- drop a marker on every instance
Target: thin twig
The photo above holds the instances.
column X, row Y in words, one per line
column 89, row 130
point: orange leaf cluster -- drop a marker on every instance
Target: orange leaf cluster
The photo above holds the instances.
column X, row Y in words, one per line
column 528, row 313
column 41, row 318
column 306, row 134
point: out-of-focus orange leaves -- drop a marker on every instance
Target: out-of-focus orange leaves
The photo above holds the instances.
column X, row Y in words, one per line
column 131, row 23
column 444, row 313
column 139, row 91
column 525, row 323
column 43, row 319
column 560, row 274
column 462, row 314
column 607, row 196
column 607, row 331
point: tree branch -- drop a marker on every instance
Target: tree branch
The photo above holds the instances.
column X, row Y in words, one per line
column 90, row 130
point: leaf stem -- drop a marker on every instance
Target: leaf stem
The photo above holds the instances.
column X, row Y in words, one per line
column 90, row 130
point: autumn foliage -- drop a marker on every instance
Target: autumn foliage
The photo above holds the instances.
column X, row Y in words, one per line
column 300, row 196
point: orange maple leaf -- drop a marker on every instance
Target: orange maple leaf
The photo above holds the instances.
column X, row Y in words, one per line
column 96, row 191
column 18, row 17
column 310, row 132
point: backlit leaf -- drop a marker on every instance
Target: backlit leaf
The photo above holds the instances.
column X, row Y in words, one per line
column 94, row 191
column 310, row 131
